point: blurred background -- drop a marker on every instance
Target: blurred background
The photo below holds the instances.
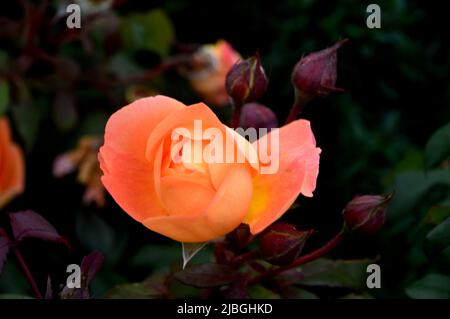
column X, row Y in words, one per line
column 60, row 85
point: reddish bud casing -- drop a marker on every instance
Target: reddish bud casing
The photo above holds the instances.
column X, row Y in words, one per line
column 366, row 214
column 315, row 74
column 246, row 81
column 282, row 243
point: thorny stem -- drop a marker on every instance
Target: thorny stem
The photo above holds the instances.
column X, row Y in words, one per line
column 301, row 260
column 24, row 266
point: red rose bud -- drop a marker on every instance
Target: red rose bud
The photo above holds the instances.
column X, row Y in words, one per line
column 240, row 237
column 366, row 214
column 315, row 74
column 246, row 81
column 282, row 243
column 257, row 116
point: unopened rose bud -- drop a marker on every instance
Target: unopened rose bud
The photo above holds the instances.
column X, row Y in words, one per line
column 282, row 243
column 246, row 81
column 258, row 116
column 315, row 74
column 240, row 237
column 366, row 214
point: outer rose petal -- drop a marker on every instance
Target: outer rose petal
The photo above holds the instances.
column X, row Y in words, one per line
column 127, row 173
column 12, row 171
column 225, row 212
column 273, row 194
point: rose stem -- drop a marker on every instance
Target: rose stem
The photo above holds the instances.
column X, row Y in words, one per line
column 24, row 266
column 296, row 109
column 301, row 260
column 250, row 255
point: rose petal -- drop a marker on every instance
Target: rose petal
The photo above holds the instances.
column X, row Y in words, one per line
column 12, row 181
column 185, row 118
column 128, row 129
column 127, row 173
column 184, row 195
column 225, row 212
column 297, row 173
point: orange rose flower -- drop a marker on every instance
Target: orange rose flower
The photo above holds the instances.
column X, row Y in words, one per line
column 195, row 201
column 208, row 80
column 12, row 176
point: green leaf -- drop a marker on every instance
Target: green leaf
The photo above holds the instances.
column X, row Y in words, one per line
column 437, row 214
column 122, row 65
column 438, row 238
column 4, row 97
column 65, row 113
column 336, row 273
column 93, row 124
column 259, row 292
column 438, row 147
column 150, row 288
column 297, row 293
column 156, row 256
column 95, row 234
column 12, row 279
column 151, row 31
column 411, row 187
column 27, row 118
column 432, row 286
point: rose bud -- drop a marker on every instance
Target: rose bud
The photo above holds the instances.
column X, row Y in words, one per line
column 240, row 237
column 315, row 74
column 258, row 116
column 246, row 81
column 366, row 214
column 282, row 243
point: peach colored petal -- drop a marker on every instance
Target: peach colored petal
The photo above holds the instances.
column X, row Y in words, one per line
column 298, row 170
column 242, row 152
column 128, row 129
column 128, row 175
column 12, row 173
column 130, row 182
column 184, row 118
column 228, row 56
column 184, row 195
column 225, row 212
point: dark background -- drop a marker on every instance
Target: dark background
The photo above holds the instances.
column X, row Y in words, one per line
column 397, row 94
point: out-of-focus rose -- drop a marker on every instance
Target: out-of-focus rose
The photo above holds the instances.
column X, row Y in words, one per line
column 210, row 65
column 84, row 159
column 12, row 168
column 195, row 201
